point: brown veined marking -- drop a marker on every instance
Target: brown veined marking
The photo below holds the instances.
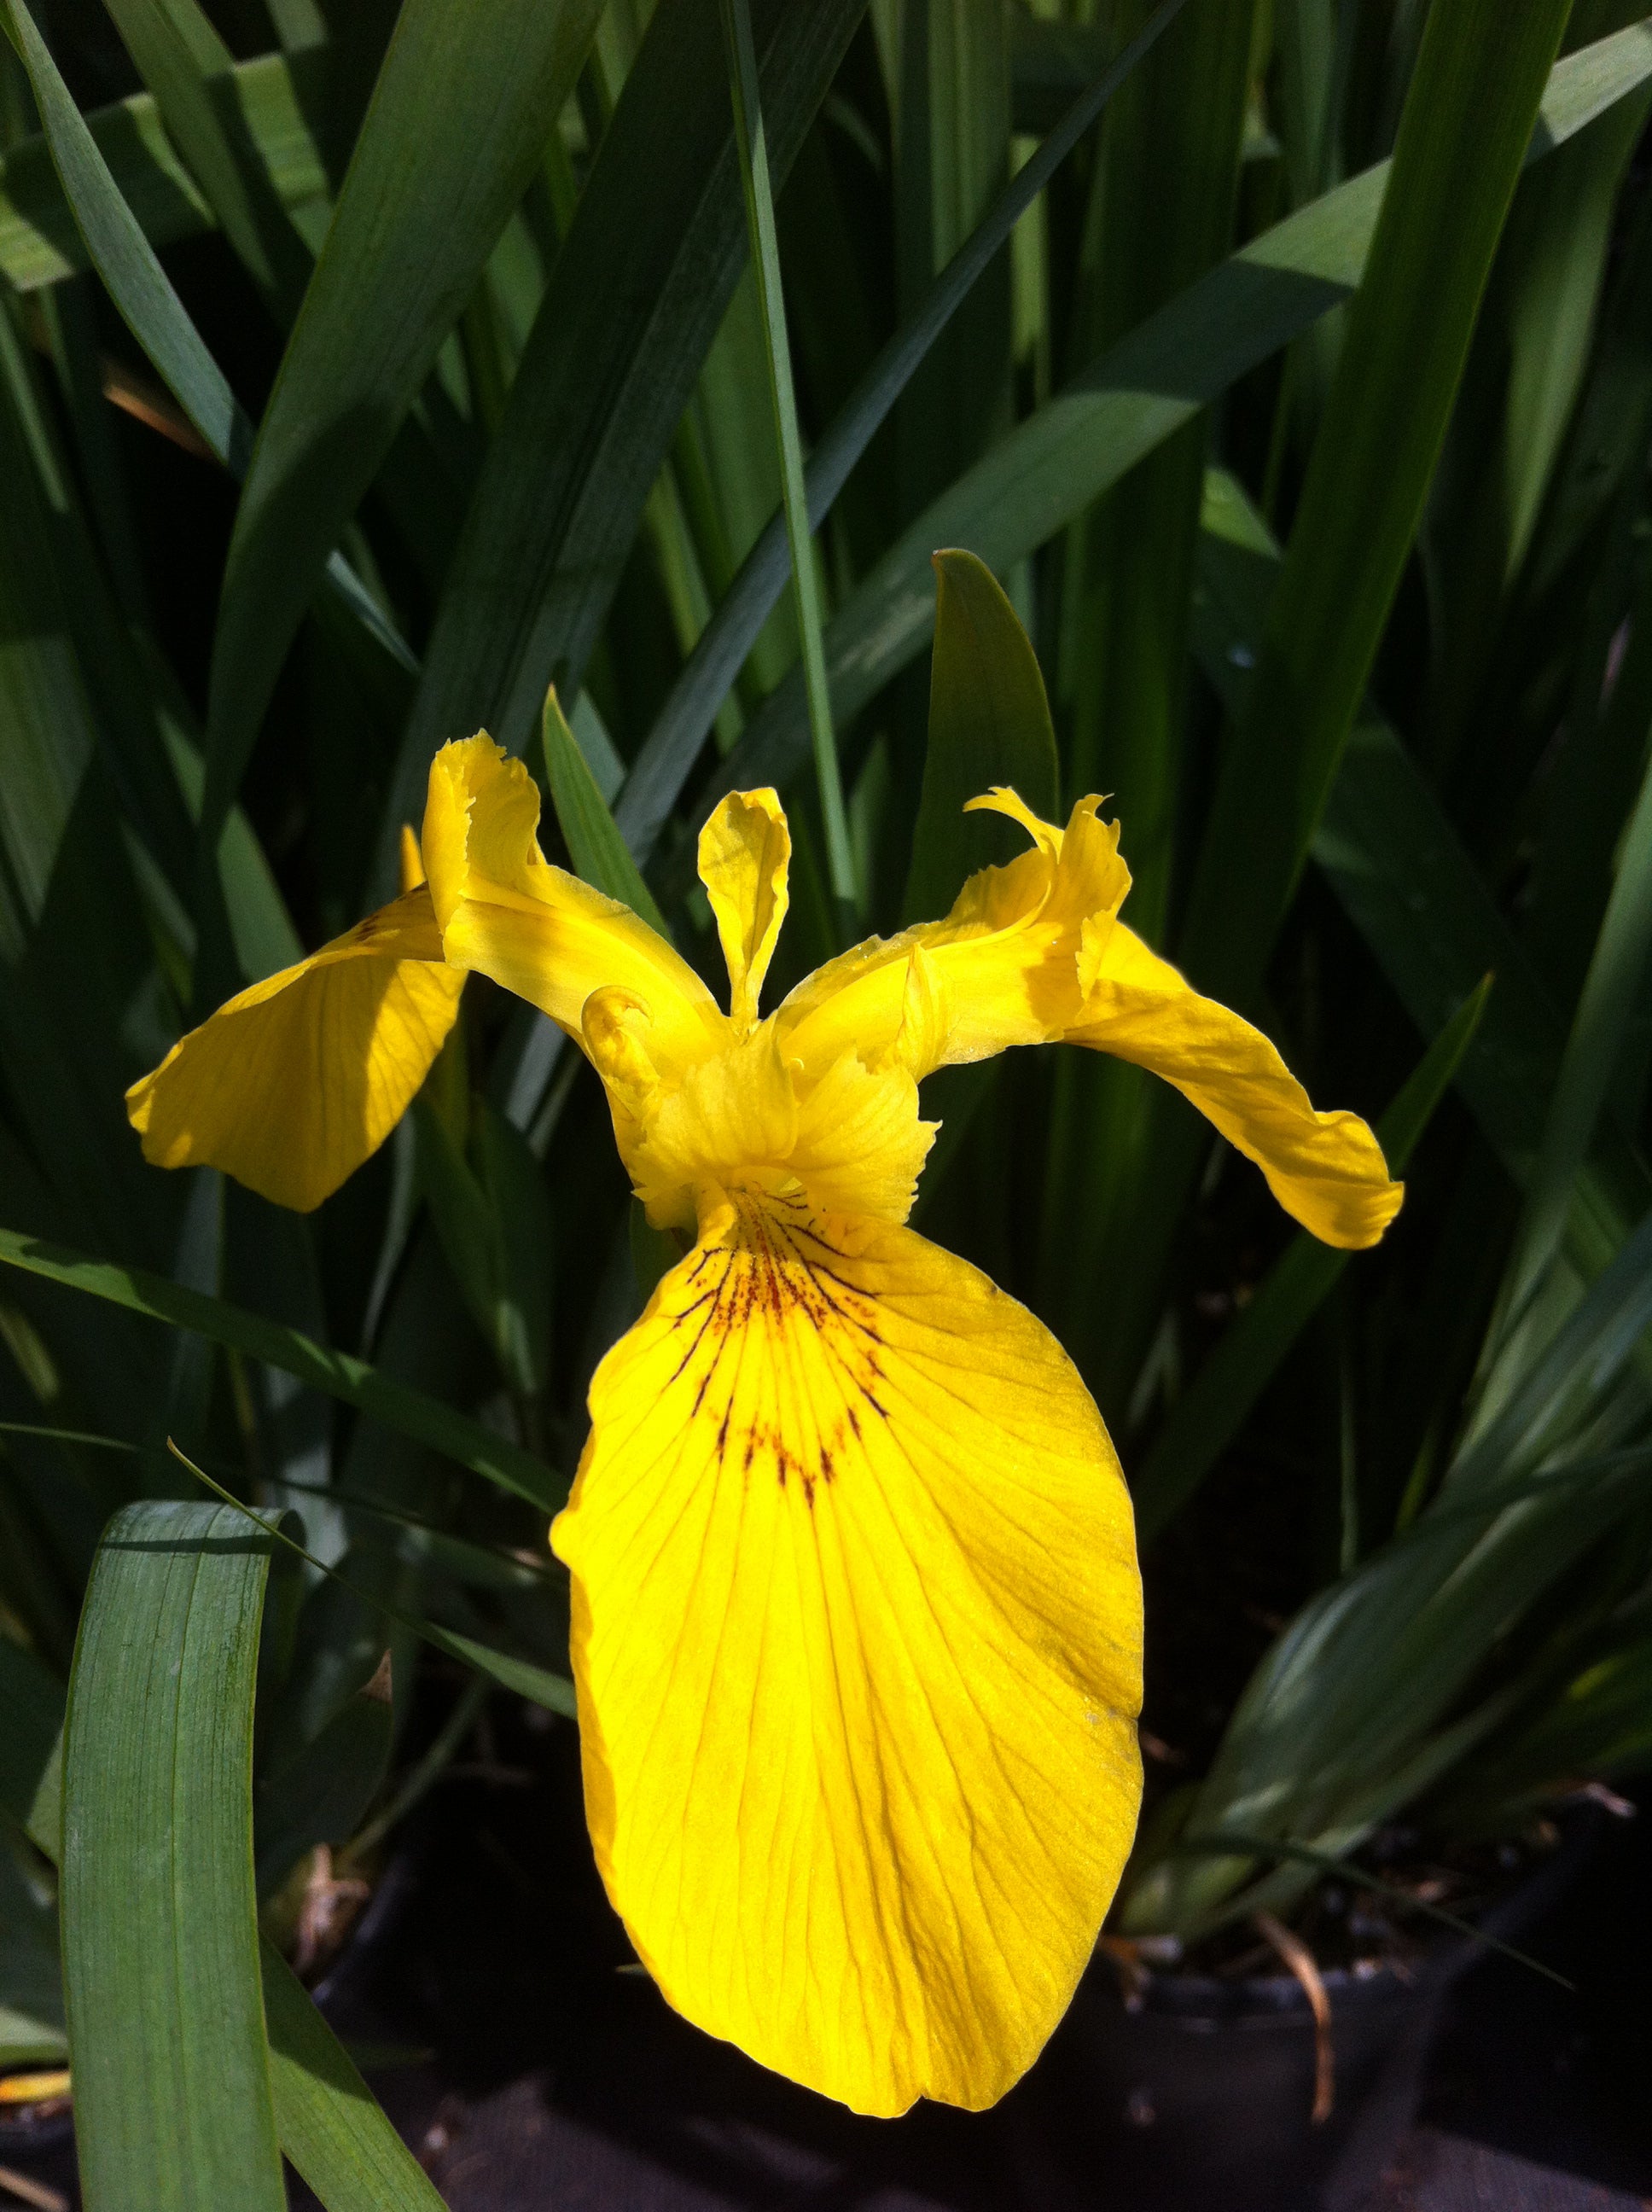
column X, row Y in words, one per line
column 776, row 1274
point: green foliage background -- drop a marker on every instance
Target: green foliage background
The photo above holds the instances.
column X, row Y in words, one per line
column 364, row 372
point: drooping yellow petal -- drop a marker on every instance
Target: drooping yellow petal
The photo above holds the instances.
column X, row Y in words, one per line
column 1004, row 961
column 1326, row 1169
column 294, row 1083
column 1034, row 953
column 856, row 1639
column 507, row 913
column 745, row 850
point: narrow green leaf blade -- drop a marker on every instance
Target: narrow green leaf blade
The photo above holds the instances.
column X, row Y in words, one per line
column 1120, row 673
column 1399, row 1899
column 537, row 1684
column 71, row 926
column 185, row 63
column 599, row 853
column 1599, row 1723
column 753, row 150
column 125, row 258
column 1468, row 118
column 173, row 2102
column 1208, row 1415
column 425, row 1420
column 149, row 307
column 321, row 1793
column 332, row 2127
column 1349, row 1713
column 1395, row 862
column 40, row 241
column 667, row 757
column 989, row 723
column 1533, row 339
column 1073, row 448
column 1180, row 121
column 458, row 119
column 1598, row 1340
column 1615, row 981
column 643, row 281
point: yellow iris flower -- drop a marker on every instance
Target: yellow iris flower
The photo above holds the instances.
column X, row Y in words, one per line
column 857, row 1618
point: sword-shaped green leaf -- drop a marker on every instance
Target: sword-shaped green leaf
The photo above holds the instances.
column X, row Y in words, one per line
column 459, row 118
column 329, row 2123
column 40, row 241
column 989, row 723
column 441, row 1427
column 1464, row 136
column 332, row 2127
column 599, row 851
column 1207, row 1417
column 651, row 259
column 1065, row 455
column 663, row 766
column 173, row 2102
column 150, row 307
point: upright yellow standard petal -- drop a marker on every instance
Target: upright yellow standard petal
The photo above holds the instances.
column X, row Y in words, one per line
column 540, row 932
column 745, row 851
column 856, row 1636
column 1326, row 1169
column 292, row 1084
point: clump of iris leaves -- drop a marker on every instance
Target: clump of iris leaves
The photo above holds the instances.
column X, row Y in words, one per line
column 1293, row 370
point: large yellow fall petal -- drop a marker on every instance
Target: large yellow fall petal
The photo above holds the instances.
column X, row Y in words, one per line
column 745, row 851
column 292, row 1084
column 857, row 1632
column 506, row 912
column 1326, row 1169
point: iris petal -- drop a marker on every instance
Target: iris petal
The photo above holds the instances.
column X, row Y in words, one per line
column 745, row 852
column 536, row 930
column 292, row 1084
column 1035, row 953
column 1005, row 959
column 1326, row 1169
column 857, row 1638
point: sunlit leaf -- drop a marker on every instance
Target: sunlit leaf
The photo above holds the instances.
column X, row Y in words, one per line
column 173, row 2102
column 339, row 1374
